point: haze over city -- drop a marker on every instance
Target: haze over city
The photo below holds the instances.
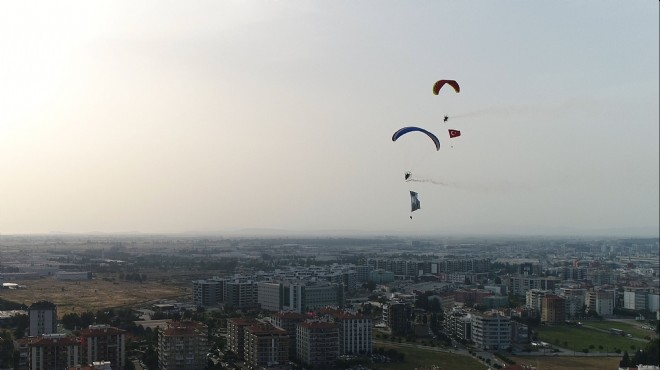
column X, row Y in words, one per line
column 245, row 116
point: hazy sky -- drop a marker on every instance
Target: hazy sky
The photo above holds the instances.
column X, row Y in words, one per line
column 176, row 116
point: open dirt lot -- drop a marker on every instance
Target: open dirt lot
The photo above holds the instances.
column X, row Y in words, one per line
column 93, row 295
column 569, row 363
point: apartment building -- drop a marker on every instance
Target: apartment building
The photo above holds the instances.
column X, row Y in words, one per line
column 183, row 345
column 236, row 334
column 355, row 331
column 397, row 317
column 103, row 343
column 317, row 343
column 288, row 321
column 265, row 346
column 601, row 301
column 208, row 293
column 491, row 331
column 554, row 309
column 43, row 318
column 49, row 352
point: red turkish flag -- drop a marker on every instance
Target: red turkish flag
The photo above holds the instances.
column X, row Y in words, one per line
column 454, row 133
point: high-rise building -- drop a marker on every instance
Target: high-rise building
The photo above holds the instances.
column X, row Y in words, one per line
column 635, row 298
column 601, row 302
column 397, row 317
column 104, row 343
column 183, row 345
column 519, row 285
column 299, row 295
column 269, row 295
column 554, row 310
column 534, row 300
column 240, row 294
column 207, row 293
column 355, row 333
column 236, row 334
column 288, row 322
column 265, row 346
column 459, row 324
column 43, row 318
column 317, row 343
column 49, row 352
column 491, row 331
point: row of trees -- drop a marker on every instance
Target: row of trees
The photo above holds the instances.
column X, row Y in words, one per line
column 650, row 355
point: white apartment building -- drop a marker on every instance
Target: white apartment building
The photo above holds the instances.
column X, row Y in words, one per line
column 601, row 301
column 355, row 333
column 491, row 331
column 635, row 298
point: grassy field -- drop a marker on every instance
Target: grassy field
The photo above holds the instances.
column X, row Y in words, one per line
column 631, row 327
column 417, row 358
column 577, row 338
column 569, row 363
column 91, row 295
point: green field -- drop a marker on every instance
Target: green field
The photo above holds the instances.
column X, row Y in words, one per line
column 578, row 338
column 416, row 358
column 631, row 327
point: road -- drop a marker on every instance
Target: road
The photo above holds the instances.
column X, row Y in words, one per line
column 607, row 331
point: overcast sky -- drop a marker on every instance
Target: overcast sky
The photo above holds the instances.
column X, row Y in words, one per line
column 215, row 116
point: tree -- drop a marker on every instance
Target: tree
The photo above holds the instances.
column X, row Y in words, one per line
column 639, row 358
column 22, row 322
column 71, row 321
column 625, row 361
column 6, row 349
column 652, row 352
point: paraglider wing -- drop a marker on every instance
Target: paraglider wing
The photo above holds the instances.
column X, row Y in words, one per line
column 406, row 130
column 414, row 201
column 438, row 85
column 454, row 133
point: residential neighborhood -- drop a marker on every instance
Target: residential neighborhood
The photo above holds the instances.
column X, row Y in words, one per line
column 324, row 303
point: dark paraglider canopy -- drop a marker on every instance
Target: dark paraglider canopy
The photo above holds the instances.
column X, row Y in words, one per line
column 406, row 130
column 438, row 85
